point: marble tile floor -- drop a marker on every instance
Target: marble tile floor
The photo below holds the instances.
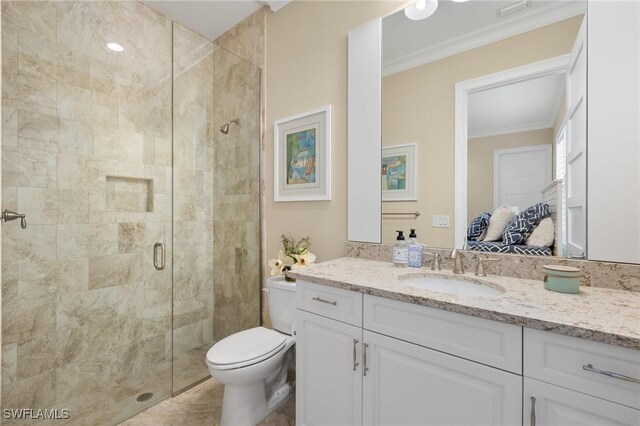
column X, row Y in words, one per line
column 201, row 405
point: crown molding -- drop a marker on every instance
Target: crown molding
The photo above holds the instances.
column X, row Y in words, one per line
column 516, row 25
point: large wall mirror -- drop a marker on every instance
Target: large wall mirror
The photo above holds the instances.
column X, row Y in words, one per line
column 482, row 114
column 488, row 83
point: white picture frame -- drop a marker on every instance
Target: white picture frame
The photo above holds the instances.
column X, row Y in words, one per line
column 302, row 156
column 398, row 172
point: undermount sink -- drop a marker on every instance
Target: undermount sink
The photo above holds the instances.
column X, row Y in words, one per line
column 451, row 285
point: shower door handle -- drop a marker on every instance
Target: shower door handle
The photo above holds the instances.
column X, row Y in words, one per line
column 159, row 261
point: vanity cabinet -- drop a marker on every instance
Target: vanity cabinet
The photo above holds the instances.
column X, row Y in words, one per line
column 350, row 374
column 367, row 360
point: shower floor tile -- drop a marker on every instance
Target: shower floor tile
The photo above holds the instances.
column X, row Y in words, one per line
column 201, row 406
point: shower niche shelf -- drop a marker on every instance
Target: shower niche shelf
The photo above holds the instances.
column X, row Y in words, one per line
column 128, row 194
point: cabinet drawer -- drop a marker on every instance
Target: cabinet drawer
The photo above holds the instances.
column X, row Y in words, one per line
column 488, row 342
column 335, row 303
column 566, row 361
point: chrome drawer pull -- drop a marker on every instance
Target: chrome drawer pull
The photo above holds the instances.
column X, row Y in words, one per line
column 532, row 417
column 355, row 363
column 613, row 375
column 321, row 300
column 365, row 359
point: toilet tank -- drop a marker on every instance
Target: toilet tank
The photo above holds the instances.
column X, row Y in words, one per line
column 282, row 303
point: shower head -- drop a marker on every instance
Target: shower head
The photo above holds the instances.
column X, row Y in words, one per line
column 225, row 127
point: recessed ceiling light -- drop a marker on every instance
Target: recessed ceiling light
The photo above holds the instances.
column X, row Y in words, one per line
column 115, row 47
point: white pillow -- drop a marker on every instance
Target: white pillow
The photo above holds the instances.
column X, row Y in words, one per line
column 543, row 234
column 498, row 223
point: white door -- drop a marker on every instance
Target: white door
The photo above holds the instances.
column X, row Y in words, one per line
column 519, row 174
column 576, row 155
column 549, row 405
column 406, row 384
column 328, row 371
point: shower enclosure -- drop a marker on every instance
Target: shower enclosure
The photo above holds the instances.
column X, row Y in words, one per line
column 142, row 242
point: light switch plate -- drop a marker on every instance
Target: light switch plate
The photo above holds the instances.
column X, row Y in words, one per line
column 440, row 221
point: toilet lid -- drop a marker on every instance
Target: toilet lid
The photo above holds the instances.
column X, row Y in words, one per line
column 246, row 347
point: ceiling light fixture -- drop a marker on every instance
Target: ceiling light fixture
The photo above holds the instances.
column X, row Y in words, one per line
column 115, row 47
column 459, row 1
column 422, row 9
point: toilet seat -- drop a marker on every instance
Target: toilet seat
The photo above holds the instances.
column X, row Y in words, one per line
column 246, row 348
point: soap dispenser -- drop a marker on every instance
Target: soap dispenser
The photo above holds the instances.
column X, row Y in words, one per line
column 413, row 238
column 400, row 251
column 414, row 251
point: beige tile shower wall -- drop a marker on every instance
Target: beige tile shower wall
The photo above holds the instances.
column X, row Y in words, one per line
column 236, row 195
column 193, row 151
column 247, row 41
column 247, row 38
column 85, row 316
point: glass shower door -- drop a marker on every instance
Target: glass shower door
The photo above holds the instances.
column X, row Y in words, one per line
column 193, row 206
column 216, row 200
column 86, row 156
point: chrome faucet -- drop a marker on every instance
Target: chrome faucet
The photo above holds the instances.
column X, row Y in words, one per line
column 435, row 263
column 458, row 266
column 480, row 267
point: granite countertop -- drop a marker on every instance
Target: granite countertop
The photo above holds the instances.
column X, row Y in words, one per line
column 598, row 314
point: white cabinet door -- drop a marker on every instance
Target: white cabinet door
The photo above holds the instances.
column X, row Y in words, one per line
column 328, row 371
column 405, row 384
column 550, row 405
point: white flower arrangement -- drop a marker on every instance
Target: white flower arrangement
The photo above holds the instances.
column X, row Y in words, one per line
column 296, row 255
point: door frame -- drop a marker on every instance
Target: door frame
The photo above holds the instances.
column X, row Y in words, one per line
column 546, row 148
column 463, row 89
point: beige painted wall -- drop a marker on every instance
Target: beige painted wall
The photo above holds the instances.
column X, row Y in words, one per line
column 306, row 68
column 418, row 106
column 480, row 165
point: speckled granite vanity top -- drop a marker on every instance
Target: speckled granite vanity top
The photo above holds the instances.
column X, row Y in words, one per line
column 603, row 315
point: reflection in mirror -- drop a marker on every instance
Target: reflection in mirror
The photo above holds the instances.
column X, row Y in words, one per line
column 516, row 130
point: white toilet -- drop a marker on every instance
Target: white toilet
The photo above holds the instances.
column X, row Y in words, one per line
column 252, row 364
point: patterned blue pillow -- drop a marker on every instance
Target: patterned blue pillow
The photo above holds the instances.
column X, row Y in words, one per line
column 523, row 225
column 478, row 226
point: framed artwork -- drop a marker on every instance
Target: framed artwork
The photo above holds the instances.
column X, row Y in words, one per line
column 302, row 157
column 399, row 172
